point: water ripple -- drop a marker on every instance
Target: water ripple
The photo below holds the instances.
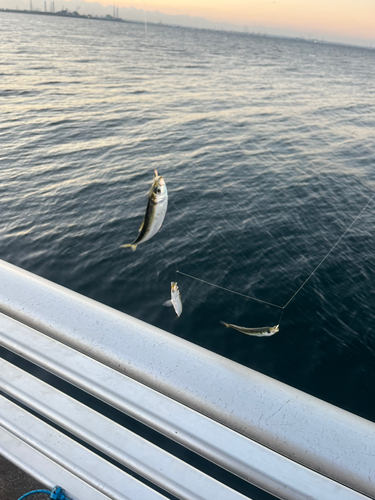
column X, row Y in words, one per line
column 267, row 149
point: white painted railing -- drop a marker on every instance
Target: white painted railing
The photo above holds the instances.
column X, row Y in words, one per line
column 285, row 442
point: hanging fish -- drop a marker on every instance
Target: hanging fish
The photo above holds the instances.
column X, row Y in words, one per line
column 175, row 299
column 265, row 331
column 155, row 212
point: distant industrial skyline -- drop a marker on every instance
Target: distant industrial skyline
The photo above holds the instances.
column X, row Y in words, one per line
column 343, row 21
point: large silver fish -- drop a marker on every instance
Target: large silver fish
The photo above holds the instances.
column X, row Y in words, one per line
column 265, row 331
column 175, row 301
column 155, row 212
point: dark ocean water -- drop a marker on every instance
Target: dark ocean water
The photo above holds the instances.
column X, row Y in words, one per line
column 267, row 147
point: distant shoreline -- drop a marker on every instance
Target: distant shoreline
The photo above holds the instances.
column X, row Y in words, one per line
column 74, row 15
column 109, row 18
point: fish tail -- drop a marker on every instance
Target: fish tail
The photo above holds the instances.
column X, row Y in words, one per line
column 129, row 245
column 225, row 324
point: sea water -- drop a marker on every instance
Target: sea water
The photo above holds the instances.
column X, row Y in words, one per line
column 267, row 147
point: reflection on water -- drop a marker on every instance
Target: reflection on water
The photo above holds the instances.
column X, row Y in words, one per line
column 267, row 149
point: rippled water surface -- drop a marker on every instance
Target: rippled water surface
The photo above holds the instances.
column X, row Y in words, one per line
column 268, row 149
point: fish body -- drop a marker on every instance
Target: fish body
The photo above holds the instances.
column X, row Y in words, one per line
column 155, row 212
column 175, row 301
column 176, row 298
column 265, row 331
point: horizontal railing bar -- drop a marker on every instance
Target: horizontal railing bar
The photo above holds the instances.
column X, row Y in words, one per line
column 144, row 458
column 75, row 458
column 45, row 470
column 311, row 432
column 255, row 463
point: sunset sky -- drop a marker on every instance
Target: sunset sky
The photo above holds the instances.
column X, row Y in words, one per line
column 349, row 18
column 347, row 21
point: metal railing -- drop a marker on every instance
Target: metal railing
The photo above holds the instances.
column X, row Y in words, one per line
column 273, row 436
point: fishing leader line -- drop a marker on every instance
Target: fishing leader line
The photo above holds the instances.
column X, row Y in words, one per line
column 331, row 250
column 231, row 291
column 303, row 284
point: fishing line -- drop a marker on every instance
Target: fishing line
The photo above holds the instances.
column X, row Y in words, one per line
column 303, row 284
column 281, row 315
column 331, row 250
column 228, row 290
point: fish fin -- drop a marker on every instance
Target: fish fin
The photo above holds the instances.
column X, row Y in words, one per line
column 225, row 324
column 140, row 229
column 167, row 303
column 129, row 245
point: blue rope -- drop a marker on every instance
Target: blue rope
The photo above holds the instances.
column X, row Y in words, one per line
column 55, row 494
column 32, row 493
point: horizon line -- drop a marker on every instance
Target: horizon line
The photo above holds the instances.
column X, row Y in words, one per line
column 109, row 18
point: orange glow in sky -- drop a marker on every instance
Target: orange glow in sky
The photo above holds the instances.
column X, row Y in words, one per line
column 346, row 17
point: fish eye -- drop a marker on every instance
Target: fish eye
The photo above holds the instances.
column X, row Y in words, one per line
column 157, row 190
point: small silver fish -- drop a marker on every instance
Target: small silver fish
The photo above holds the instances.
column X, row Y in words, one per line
column 155, row 212
column 265, row 331
column 175, row 299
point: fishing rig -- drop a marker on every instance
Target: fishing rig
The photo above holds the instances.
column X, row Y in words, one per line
column 282, row 308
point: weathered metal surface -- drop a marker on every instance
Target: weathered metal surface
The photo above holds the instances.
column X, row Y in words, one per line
column 44, row 469
column 310, row 432
column 117, row 442
column 92, row 470
column 253, row 462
